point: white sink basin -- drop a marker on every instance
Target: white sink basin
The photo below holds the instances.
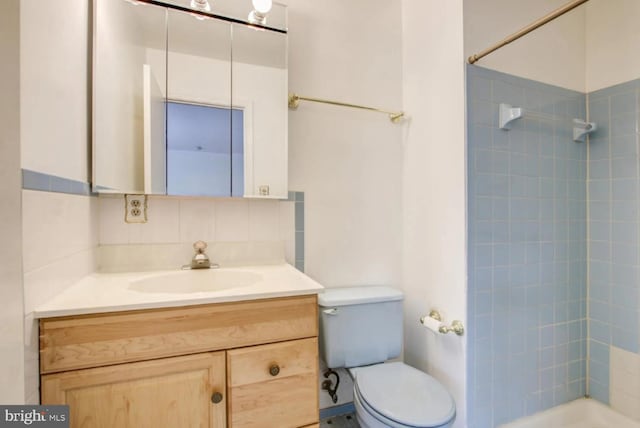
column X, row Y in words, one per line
column 196, row 281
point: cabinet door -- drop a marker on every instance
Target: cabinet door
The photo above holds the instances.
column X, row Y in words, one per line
column 274, row 385
column 169, row 392
column 259, row 97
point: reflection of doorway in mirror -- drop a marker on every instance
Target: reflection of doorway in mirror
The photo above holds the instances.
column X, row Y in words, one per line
column 205, row 145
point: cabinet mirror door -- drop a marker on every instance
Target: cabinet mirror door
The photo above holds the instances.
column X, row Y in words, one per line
column 260, row 97
column 124, row 80
column 187, row 104
column 200, row 129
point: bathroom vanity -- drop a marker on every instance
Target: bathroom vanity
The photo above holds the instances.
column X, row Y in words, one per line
column 245, row 359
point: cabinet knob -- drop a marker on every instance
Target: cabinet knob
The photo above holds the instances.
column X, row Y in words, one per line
column 216, row 398
column 274, row 370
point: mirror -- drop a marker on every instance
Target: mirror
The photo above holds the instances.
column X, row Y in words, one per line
column 259, row 79
column 187, row 104
column 123, row 34
column 199, row 118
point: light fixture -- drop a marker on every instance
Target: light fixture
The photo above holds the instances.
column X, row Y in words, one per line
column 259, row 13
column 202, row 5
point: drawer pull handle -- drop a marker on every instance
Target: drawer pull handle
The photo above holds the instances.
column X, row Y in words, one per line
column 216, row 398
column 274, row 370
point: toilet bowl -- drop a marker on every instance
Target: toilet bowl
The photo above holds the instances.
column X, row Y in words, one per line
column 399, row 396
column 360, row 329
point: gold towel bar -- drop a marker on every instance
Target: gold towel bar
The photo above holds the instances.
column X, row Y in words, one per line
column 294, row 101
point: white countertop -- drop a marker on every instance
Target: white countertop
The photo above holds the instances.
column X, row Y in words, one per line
column 112, row 292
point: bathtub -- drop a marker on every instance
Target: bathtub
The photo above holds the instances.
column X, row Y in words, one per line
column 582, row 413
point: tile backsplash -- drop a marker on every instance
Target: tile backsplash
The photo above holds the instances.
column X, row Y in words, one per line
column 236, row 230
column 60, row 235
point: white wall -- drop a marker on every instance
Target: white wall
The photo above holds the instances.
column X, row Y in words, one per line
column 348, row 162
column 612, row 40
column 11, row 293
column 553, row 54
column 59, row 234
column 434, row 195
column 53, row 99
column 591, row 48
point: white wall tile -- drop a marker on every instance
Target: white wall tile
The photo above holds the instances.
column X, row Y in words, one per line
column 143, row 257
column 60, row 235
column 113, row 229
column 265, row 228
column 624, row 361
column 264, row 221
column 162, row 226
column 624, row 382
column 624, row 403
column 197, row 220
column 232, row 220
column 47, row 281
column 56, row 225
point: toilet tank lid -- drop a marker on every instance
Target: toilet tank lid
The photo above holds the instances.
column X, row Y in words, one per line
column 358, row 296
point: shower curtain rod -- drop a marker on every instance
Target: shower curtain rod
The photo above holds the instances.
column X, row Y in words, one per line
column 529, row 28
column 294, row 100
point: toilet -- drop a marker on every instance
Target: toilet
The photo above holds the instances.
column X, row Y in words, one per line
column 360, row 329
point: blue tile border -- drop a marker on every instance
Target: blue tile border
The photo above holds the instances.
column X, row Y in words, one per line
column 338, row 410
column 298, row 199
column 33, row 180
column 487, row 73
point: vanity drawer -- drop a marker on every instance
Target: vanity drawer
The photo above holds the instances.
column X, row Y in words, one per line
column 273, row 385
column 68, row 343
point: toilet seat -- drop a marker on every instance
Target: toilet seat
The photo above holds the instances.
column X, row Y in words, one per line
column 401, row 396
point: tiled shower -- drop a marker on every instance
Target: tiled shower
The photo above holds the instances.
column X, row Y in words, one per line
column 553, row 247
column 527, row 249
column 613, row 246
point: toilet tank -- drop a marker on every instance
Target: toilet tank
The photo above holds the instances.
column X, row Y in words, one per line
column 360, row 325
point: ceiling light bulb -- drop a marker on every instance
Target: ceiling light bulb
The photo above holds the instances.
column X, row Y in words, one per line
column 202, row 5
column 262, row 6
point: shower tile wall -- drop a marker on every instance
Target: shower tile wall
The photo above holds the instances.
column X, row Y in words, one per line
column 527, row 249
column 614, row 227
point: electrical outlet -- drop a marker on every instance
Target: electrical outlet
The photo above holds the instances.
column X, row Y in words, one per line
column 135, row 207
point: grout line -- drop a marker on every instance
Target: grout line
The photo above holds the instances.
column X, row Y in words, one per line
column 587, row 365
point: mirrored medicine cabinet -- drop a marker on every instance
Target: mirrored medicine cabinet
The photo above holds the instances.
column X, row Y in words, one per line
column 189, row 104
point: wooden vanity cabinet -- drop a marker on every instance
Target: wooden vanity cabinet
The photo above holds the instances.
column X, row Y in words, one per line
column 244, row 364
column 167, row 392
column 275, row 382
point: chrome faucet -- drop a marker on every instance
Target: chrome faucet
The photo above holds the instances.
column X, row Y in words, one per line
column 200, row 260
